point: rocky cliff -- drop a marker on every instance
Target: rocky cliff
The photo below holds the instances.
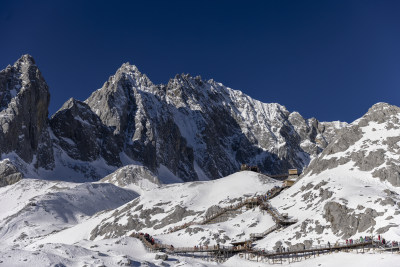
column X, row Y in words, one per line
column 188, row 129
column 201, row 129
column 24, row 101
column 369, row 144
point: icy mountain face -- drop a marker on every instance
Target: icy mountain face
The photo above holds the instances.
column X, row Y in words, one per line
column 24, row 101
column 186, row 130
column 129, row 103
column 352, row 188
column 201, row 129
column 370, row 144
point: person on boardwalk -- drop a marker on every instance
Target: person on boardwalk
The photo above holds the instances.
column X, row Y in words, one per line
column 329, row 245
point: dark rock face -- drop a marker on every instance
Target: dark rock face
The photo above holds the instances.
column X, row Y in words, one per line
column 24, row 100
column 81, row 134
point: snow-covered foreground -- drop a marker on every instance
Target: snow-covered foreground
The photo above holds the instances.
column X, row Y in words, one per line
column 44, row 222
column 48, row 223
column 127, row 251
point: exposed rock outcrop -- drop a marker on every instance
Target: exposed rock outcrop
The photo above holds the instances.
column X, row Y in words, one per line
column 133, row 175
column 345, row 222
column 379, row 129
column 9, row 174
column 24, row 101
column 80, row 133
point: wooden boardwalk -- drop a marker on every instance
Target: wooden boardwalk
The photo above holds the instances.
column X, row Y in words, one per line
column 249, row 202
column 313, row 250
column 223, row 252
column 257, row 236
column 282, row 220
column 279, row 218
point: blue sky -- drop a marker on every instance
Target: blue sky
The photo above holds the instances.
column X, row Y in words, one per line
column 326, row 59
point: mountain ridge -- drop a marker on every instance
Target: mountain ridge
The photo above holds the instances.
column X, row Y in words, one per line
column 188, row 128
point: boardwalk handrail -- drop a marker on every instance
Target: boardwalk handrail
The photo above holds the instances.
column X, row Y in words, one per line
column 320, row 248
column 276, row 215
column 266, row 232
column 257, row 199
column 258, row 251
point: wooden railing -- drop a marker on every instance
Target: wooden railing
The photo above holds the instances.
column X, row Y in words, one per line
column 266, row 232
column 257, row 200
column 269, row 254
column 319, row 248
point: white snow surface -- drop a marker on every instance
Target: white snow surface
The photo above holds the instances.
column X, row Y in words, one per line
column 44, row 223
column 197, row 198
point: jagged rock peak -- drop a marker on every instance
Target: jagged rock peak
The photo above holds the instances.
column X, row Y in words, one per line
column 71, row 103
column 129, row 68
column 381, row 110
column 367, row 144
column 25, row 59
column 381, row 106
column 131, row 73
column 24, row 105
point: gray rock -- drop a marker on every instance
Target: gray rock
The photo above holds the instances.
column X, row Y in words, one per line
column 364, row 159
column 192, row 122
column 9, row 174
column 132, row 175
column 161, row 256
column 24, row 101
column 384, row 229
column 80, row 133
column 345, row 222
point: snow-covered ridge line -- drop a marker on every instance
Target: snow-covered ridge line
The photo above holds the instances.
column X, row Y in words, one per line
column 188, row 129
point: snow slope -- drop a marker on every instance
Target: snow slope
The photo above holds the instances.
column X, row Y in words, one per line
column 160, row 209
column 32, row 209
column 88, row 224
column 351, row 189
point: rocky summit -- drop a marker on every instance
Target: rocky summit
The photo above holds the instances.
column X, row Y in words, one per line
column 186, row 130
column 24, row 132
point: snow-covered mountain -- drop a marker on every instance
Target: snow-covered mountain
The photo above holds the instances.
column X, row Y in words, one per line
column 352, row 188
column 139, row 141
column 189, row 129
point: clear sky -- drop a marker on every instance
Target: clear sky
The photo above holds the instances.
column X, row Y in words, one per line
column 326, row 59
